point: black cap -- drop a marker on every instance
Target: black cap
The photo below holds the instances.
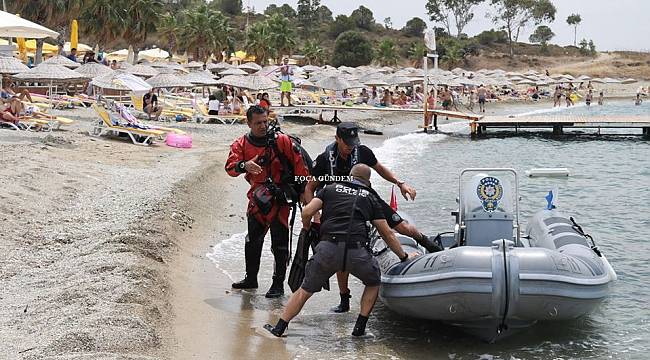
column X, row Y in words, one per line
column 349, row 133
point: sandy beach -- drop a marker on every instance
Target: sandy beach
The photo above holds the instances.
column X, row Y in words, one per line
column 104, row 244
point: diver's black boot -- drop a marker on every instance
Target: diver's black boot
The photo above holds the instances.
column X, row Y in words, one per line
column 431, row 245
column 249, row 282
column 360, row 326
column 277, row 288
column 278, row 329
column 344, row 306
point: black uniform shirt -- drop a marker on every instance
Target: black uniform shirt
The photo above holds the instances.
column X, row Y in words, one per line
column 342, row 215
column 322, row 164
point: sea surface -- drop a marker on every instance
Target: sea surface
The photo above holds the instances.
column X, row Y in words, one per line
column 608, row 193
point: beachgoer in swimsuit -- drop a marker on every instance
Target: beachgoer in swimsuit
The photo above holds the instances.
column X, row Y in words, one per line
column 482, row 96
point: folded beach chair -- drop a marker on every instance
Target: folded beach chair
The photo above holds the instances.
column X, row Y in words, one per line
column 138, row 136
column 202, row 116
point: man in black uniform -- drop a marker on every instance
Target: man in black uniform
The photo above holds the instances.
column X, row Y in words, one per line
column 337, row 160
column 346, row 208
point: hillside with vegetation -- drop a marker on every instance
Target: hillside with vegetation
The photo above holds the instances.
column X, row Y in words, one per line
column 311, row 34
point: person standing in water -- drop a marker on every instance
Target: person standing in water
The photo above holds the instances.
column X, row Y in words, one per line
column 601, row 98
column 482, row 98
column 589, row 98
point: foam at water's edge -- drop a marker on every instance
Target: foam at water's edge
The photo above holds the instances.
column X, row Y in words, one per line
column 219, row 250
column 551, row 110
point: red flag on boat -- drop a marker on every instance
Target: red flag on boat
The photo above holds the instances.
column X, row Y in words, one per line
column 393, row 199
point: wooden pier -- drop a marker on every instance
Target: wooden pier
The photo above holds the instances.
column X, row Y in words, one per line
column 558, row 123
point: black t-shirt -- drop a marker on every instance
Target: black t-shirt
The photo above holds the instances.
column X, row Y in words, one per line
column 147, row 96
column 346, row 208
column 342, row 167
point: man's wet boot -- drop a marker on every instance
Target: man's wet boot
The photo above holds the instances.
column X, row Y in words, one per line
column 249, row 282
column 344, row 306
column 360, row 326
column 432, row 246
column 278, row 329
column 277, row 288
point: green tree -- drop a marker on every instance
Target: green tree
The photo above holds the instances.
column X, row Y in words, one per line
column 204, row 30
column 387, row 53
column 363, row 18
column 141, row 20
column 324, row 14
column 352, row 49
column 281, row 34
column 341, row 24
column 230, row 7
column 415, row 27
column 258, row 42
column 417, row 51
column 168, row 31
column 105, row 19
column 574, row 20
column 588, row 48
column 442, row 11
column 307, row 12
column 489, row 37
column 592, row 48
column 542, row 35
column 515, row 15
column 314, row 53
column 285, row 10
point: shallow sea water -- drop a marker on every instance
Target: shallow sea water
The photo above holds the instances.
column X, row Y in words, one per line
column 607, row 193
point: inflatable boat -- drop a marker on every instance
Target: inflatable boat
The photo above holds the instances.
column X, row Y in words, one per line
column 490, row 280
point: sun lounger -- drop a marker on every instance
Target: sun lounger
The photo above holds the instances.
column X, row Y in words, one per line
column 202, row 116
column 138, row 136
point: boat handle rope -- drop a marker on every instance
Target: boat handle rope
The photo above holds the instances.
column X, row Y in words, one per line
column 579, row 230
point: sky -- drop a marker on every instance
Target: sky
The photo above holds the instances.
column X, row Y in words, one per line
column 612, row 24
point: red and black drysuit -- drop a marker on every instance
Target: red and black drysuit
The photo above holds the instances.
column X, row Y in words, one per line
column 261, row 220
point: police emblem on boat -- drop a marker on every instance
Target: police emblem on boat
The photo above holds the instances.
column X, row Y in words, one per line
column 490, row 192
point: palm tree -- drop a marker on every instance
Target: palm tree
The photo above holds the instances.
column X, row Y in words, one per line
column 282, row 34
column 141, row 19
column 417, row 52
column 258, row 42
column 105, row 18
column 51, row 13
column 386, row 53
column 314, row 53
column 204, row 30
column 168, row 30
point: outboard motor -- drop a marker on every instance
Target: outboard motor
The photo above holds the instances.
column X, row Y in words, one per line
column 486, row 209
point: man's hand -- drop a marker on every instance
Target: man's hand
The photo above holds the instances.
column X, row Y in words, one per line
column 251, row 166
column 406, row 189
column 413, row 255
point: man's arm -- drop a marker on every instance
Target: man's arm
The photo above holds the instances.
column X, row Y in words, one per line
column 389, row 237
column 311, row 187
column 236, row 165
column 388, row 175
column 309, row 211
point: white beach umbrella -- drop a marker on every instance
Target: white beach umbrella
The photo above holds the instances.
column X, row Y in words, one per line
column 628, row 81
column 17, row 27
column 233, row 71
column 62, row 60
column 168, row 81
column 11, row 65
column 597, row 81
column 611, row 81
column 93, row 70
column 251, row 82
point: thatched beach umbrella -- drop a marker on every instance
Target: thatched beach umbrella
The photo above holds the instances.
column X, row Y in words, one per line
column 193, row 65
column 335, row 83
column 142, row 70
column 310, row 68
column 199, row 78
column 51, row 74
column 232, row 71
column 220, row 66
column 250, row 67
column 250, row 82
column 93, row 70
column 11, row 65
column 168, row 81
column 62, row 60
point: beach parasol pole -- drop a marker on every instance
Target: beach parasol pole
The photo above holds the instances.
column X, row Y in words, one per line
column 430, row 41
